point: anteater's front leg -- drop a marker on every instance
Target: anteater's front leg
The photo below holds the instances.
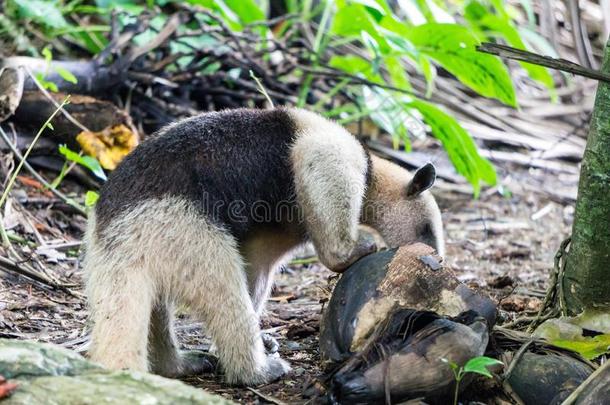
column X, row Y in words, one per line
column 330, row 182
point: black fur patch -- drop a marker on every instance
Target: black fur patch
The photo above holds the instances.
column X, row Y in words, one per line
column 233, row 165
column 222, row 162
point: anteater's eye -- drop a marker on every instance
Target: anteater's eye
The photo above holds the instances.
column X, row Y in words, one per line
column 425, row 234
column 425, row 231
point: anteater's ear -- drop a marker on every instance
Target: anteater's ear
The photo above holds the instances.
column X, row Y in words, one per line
column 422, row 180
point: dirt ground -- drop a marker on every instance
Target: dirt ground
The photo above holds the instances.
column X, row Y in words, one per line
column 503, row 243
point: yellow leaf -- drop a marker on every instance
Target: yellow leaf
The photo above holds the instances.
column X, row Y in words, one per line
column 108, row 146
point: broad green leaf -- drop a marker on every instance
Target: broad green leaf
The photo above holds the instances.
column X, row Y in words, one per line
column 460, row 147
column 351, row 19
column 500, row 8
column 402, row 46
column 371, row 44
column 454, row 48
column 588, row 347
column 86, row 161
column 66, row 75
column 355, row 65
column 247, row 10
column 91, row 198
column 479, row 365
column 43, row 12
column 397, row 72
column 387, row 114
column 423, row 7
column 373, row 4
column 511, row 35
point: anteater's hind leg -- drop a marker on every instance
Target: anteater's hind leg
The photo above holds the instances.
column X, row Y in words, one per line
column 120, row 298
column 164, row 356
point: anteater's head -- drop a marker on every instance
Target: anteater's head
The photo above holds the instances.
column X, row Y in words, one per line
column 399, row 206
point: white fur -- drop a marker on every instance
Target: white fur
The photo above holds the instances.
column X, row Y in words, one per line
column 330, row 180
column 161, row 249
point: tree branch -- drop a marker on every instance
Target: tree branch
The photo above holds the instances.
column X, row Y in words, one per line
column 546, row 61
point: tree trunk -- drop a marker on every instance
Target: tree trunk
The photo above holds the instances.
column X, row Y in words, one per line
column 586, row 282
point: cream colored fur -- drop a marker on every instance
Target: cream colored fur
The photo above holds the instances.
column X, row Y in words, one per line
column 162, row 251
column 330, row 166
column 395, row 217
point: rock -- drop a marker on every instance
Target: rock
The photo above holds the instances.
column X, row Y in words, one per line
column 123, row 387
column 47, row 374
column 547, row 378
column 20, row 359
column 397, row 311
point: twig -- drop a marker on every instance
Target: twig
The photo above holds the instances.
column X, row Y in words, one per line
column 516, row 359
column 27, row 152
column 38, row 177
column 547, row 61
column 9, row 265
column 267, row 398
column 579, row 35
column 55, row 103
column 168, row 30
column 585, row 384
column 261, row 89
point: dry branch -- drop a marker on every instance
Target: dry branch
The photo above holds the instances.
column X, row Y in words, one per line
column 509, row 52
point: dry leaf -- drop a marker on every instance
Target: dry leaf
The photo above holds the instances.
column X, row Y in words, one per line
column 6, row 387
column 108, row 146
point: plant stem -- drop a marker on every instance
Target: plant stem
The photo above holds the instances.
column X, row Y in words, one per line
column 27, row 152
column 261, row 88
column 318, row 49
column 458, row 378
column 322, row 27
column 331, row 94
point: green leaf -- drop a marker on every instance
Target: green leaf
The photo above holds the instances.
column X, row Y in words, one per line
column 45, row 83
column 454, row 48
column 43, row 12
column 46, row 52
column 588, row 347
column 397, row 72
column 86, row 161
column 352, row 19
column 247, row 10
column 387, row 114
column 460, row 147
column 479, row 365
column 91, row 198
column 357, row 66
column 66, row 75
column 511, row 35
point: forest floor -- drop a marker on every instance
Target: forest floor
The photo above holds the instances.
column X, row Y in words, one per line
column 502, row 243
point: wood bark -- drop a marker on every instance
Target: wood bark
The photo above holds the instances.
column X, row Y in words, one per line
column 586, row 281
